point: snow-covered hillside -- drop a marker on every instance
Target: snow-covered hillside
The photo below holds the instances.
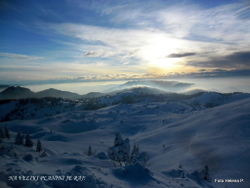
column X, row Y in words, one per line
column 178, row 136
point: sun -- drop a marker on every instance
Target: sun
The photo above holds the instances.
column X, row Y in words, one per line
column 165, row 63
column 157, row 50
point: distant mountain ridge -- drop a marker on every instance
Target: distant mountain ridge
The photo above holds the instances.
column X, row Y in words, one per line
column 132, row 90
column 18, row 92
column 56, row 93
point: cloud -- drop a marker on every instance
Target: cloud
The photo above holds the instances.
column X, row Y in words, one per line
column 219, row 73
column 178, row 55
column 19, row 56
column 136, row 37
column 175, row 28
column 97, row 53
column 220, row 24
column 100, row 53
column 80, row 78
column 236, row 60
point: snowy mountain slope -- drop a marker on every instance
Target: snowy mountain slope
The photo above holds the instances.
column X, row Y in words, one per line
column 171, row 132
column 47, row 107
column 220, row 139
column 211, row 99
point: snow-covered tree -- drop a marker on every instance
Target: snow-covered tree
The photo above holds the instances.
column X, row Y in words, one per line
column 118, row 139
column 123, row 151
column 2, row 134
column 28, row 141
column 38, row 146
column 6, row 131
column 120, row 151
column 134, row 154
column 183, row 174
column 143, row 158
column 19, row 139
column 112, row 154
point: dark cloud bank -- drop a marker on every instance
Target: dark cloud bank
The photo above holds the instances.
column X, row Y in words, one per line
column 236, row 60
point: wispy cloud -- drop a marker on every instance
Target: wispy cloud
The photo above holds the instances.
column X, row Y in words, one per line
column 175, row 29
column 19, row 56
column 129, row 38
column 97, row 53
column 178, row 55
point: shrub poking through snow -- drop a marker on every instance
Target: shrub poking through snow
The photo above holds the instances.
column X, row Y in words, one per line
column 44, row 154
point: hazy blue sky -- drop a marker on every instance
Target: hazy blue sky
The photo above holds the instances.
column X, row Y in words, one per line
column 76, row 40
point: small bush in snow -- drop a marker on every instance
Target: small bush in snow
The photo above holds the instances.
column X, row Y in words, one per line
column 44, row 154
column 28, row 157
column 102, row 156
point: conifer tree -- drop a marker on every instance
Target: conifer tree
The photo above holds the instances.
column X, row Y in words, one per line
column 38, row 146
column 206, row 175
column 28, row 141
column 22, row 139
column 89, row 152
column 2, row 134
column 19, row 139
column 6, row 131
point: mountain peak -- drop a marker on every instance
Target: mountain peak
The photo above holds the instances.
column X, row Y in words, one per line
column 16, row 92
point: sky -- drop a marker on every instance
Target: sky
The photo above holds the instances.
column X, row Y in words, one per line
column 64, row 41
